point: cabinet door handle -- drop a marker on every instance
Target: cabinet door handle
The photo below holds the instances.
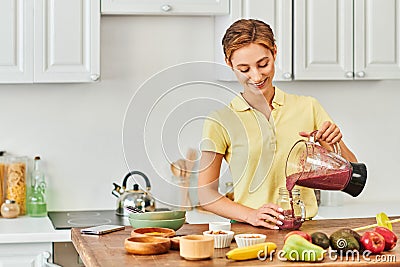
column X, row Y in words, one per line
column 47, row 256
column 360, row 74
column 42, row 260
column 349, row 74
column 287, row 75
column 166, row 8
column 94, row 77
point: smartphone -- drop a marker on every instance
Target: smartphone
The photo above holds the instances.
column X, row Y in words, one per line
column 101, row 229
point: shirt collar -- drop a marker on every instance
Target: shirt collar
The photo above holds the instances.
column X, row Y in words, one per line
column 279, row 97
column 240, row 104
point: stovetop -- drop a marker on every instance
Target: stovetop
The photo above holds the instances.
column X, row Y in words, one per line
column 69, row 219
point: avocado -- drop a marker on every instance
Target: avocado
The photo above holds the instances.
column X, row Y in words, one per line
column 356, row 235
column 320, row 239
column 353, row 233
column 342, row 240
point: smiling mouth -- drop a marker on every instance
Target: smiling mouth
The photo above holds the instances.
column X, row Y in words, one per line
column 260, row 84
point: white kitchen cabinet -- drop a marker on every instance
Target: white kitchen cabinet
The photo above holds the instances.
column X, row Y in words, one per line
column 278, row 14
column 49, row 41
column 26, row 254
column 377, row 39
column 165, row 7
column 16, row 41
column 342, row 39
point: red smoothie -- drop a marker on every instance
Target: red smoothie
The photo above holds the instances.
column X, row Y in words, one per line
column 329, row 180
column 290, row 222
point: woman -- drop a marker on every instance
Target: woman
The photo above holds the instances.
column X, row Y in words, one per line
column 255, row 133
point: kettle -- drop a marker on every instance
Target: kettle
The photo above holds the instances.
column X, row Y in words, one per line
column 135, row 197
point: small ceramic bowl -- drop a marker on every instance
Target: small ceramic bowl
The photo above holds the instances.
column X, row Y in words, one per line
column 219, row 226
column 147, row 245
column 222, row 239
column 245, row 240
column 174, row 224
column 196, row 247
column 153, row 231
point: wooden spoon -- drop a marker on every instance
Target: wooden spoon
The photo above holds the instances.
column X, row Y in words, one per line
column 178, row 168
column 191, row 156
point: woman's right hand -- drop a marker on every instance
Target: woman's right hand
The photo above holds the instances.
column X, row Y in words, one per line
column 268, row 215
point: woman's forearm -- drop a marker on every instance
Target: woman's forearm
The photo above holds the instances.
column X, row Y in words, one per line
column 346, row 153
column 227, row 208
column 210, row 198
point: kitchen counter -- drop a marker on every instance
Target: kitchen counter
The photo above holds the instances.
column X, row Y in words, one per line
column 25, row 229
column 108, row 250
column 197, row 216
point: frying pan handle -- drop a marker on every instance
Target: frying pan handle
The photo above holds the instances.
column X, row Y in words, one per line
column 146, row 179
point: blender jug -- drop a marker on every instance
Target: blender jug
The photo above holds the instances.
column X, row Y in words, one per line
column 311, row 165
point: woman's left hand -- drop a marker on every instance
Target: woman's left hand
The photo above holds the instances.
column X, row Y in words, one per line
column 329, row 133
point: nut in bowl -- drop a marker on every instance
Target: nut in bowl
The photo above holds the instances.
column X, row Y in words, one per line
column 222, row 239
column 245, row 240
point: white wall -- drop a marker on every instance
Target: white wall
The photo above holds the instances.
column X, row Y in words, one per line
column 77, row 128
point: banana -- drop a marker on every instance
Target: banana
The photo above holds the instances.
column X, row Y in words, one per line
column 251, row 252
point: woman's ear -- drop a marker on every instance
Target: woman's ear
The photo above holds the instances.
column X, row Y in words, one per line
column 228, row 62
column 275, row 51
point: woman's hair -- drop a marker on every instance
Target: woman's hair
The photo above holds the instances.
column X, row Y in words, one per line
column 244, row 32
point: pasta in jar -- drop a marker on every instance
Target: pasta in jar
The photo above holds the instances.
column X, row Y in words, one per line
column 15, row 173
column 2, row 195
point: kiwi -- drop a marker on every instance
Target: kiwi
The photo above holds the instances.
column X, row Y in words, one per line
column 320, row 239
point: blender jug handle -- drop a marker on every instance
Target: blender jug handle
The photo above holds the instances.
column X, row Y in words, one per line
column 336, row 146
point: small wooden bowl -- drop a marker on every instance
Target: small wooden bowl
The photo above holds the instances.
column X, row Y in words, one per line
column 175, row 242
column 196, row 247
column 153, row 231
column 147, row 245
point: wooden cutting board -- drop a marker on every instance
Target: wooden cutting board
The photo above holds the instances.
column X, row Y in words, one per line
column 108, row 250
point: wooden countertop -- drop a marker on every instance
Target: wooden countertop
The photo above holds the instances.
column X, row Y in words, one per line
column 108, row 250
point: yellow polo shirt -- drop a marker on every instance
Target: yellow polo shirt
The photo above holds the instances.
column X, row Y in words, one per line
column 256, row 148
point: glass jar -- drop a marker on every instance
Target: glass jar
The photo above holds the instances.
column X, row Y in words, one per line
column 9, row 209
column 15, row 173
column 2, row 180
column 229, row 191
column 294, row 211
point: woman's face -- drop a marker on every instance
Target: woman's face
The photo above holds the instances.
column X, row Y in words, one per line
column 254, row 66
